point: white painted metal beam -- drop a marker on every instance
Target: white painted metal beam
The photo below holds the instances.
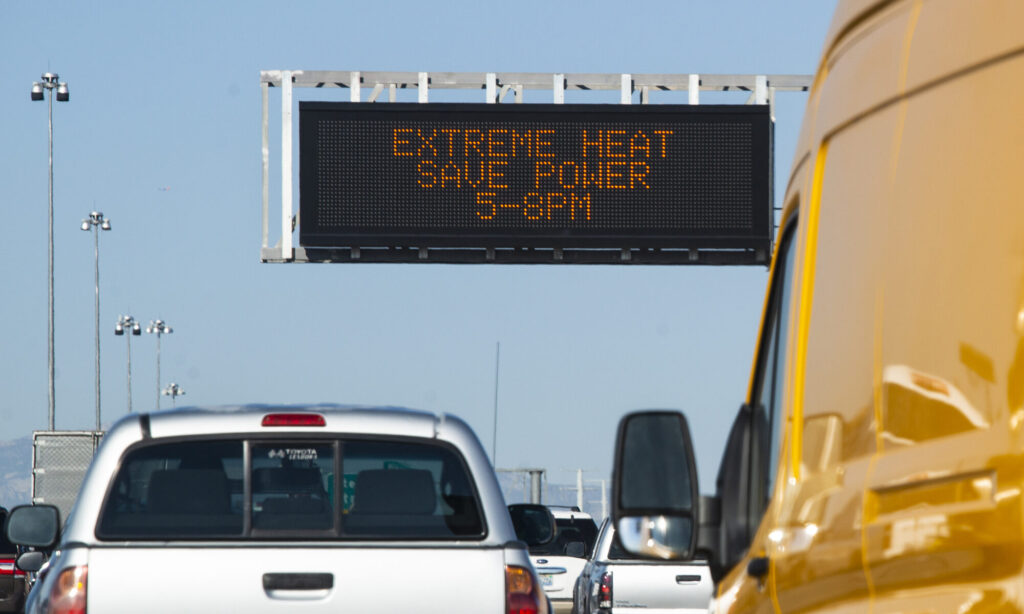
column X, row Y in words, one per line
column 422, row 86
column 265, row 154
column 354, row 82
column 491, row 84
column 286, row 165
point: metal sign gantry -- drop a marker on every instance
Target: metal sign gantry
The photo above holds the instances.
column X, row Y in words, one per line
column 496, row 87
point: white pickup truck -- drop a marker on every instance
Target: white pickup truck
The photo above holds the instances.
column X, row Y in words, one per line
column 617, row 582
column 275, row 509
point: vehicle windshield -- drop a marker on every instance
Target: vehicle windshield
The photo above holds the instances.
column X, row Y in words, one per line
column 569, row 530
column 296, row 489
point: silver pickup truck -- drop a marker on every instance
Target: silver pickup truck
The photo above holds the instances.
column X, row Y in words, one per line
column 616, row 582
column 267, row 509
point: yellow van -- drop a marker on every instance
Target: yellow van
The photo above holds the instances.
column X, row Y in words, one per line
column 878, row 462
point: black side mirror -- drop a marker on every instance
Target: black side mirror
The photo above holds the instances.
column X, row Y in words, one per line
column 654, row 486
column 36, row 526
column 30, row 561
column 534, row 524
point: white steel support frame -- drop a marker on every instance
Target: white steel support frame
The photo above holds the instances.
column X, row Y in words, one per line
column 496, row 86
column 286, row 164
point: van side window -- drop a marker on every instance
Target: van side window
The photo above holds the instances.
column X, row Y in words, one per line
column 771, row 371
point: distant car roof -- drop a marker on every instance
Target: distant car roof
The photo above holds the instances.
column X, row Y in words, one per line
column 567, row 512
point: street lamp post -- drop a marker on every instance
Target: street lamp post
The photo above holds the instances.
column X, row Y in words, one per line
column 50, row 82
column 96, row 222
column 159, row 327
column 128, row 323
column 174, row 391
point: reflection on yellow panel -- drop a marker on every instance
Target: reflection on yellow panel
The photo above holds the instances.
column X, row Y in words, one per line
column 919, row 407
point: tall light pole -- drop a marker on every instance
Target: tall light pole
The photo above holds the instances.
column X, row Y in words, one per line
column 128, row 323
column 50, row 82
column 95, row 222
column 158, row 327
column 497, row 372
column 174, row 391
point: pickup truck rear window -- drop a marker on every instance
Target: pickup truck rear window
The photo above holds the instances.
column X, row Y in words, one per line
column 567, row 531
column 618, row 553
column 307, row 489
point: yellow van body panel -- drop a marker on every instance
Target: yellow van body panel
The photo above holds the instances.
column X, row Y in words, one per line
column 899, row 487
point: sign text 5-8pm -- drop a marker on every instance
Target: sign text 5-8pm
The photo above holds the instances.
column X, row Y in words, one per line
column 536, row 174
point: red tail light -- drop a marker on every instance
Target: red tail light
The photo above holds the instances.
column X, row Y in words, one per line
column 68, row 593
column 7, row 568
column 522, row 592
column 296, row 419
column 604, row 592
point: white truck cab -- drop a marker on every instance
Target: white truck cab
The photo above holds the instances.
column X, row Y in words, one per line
column 263, row 509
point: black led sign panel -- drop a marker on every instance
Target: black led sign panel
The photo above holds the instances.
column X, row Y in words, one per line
column 656, row 178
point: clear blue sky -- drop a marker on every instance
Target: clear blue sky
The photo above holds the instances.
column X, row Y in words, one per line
column 166, row 95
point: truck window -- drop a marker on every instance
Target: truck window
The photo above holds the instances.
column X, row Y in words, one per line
column 568, row 530
column 771, row 372
column 407, row 490
column 176, row 491
column 291, row 486
column 307, row 489
column 618, row 553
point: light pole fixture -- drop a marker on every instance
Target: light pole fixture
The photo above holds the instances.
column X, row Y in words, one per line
column 158, row 327
column 97, row 222
column 174, row 391
column 50, row 82
column 128, row 323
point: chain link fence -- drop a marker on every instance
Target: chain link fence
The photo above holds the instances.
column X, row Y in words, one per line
column 59, row 462
column 517, row 487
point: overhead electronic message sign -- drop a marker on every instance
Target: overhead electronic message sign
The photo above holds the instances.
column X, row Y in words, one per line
column 659, row 178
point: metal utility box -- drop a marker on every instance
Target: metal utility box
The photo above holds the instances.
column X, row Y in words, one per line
column 59, row 462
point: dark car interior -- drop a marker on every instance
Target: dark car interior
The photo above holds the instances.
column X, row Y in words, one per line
column 569, row 531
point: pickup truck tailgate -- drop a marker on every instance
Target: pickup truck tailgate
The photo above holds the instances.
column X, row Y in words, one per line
column 660, row 587
column 362, row 579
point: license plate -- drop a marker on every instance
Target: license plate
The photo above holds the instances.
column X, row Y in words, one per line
column 546, row 579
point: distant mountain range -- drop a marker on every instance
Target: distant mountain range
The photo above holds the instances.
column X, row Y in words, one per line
column 16, row 472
